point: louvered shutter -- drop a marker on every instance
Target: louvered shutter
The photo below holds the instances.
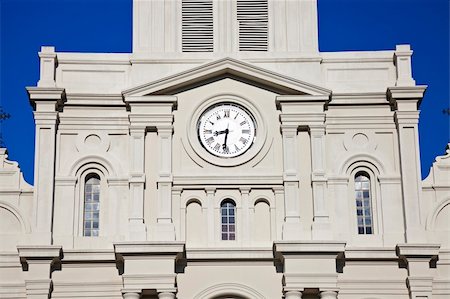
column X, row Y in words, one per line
column 197, row 26
column 253, row 18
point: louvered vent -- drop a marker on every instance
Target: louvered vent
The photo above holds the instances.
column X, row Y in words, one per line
column 197, row 23
column 253, row 25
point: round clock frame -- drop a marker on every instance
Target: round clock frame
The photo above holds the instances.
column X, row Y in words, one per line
column 251, row 151
column 226, row 130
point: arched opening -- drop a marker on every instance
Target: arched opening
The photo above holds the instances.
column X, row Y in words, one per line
column 363, row 198
column 91, row 210
column 228, row 220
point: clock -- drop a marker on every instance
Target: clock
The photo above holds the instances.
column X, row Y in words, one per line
column 226, row 130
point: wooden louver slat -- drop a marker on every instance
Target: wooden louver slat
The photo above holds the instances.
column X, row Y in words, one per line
column 253, row 25
column 197, row 26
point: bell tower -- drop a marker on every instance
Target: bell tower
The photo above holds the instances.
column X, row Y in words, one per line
column 219, row 28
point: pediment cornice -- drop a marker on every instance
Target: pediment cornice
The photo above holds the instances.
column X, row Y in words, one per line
column 223, row 68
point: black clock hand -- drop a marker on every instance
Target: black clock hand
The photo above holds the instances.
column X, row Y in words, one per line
column 216, row 133
column 224, row 146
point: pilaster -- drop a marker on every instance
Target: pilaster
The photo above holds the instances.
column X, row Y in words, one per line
column 210, row 192
column 46, row 102
column 406, row 101
column 38, row 263
column 165, row 229
column 300, row 112
column 137, row 228
column 48, row 61
column 292, row 227
column 402, row 58
column 245, row 192
column 321, row 229
column 418, row 258
column 151, row 113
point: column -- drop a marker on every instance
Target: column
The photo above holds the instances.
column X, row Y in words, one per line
column 328, row 295
column 293, row 295
column 210, row 191
column 46, row 102
column 166, row 295
column 321, row 229
column 292, row 228
column 136, row 225
column 165, row 230
column 38, row 263
column 245, row 192
column 131, row 295
column 406, row 101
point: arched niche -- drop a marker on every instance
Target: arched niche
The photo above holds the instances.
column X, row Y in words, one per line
column 195, row 224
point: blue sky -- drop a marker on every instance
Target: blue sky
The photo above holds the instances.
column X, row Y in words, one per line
column 105, row 26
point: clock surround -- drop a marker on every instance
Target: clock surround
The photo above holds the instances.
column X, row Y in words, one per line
column 226, row 130
column 253, row 154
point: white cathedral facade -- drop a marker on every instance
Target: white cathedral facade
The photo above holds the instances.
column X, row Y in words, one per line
column 226, row 157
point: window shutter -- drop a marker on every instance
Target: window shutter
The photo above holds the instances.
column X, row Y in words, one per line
column 253, row 18
column 197, row 26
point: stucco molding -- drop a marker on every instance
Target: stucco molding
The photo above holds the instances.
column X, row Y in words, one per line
column 24, row 223
column 229, row 289
column 232, row 67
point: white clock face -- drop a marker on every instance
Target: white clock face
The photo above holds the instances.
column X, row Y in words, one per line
column 226, row 130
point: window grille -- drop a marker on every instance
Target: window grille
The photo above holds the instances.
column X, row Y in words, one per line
column 363, row 204
column 91, row 206
column 253, row 22
column 228, row 213
column 197, row 26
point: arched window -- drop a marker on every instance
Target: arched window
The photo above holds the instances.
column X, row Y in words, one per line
column 363, row 203
column 91, row 206
column 228, row 213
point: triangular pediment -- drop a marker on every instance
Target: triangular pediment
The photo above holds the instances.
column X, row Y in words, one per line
column 223, row 68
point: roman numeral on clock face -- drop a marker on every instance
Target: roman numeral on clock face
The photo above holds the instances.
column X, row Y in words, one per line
column 226, row 113
column 210, row 140
column 245, row 131
column 207, row 131
column 216, row 147
column 243, row 122
column 243, row 140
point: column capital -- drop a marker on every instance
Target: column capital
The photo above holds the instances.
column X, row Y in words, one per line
column 317, row 129
column 210, row 190
column 406, row 98
column 289, row 129
column 244, row 190
column 164, row 129
column 46, row 99
column 278, row 189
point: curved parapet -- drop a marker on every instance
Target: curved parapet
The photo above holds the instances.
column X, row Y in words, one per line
column 436, row 193
column 16, row 200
